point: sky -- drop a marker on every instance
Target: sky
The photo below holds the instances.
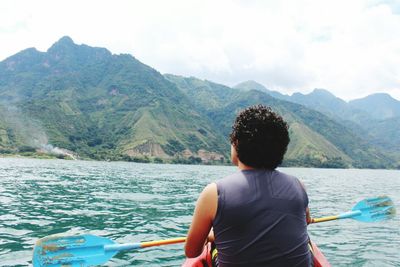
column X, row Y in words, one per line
column 351, row 48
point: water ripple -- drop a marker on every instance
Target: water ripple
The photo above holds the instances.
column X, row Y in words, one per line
column 131, row 202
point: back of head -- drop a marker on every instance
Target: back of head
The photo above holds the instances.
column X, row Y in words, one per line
column 260, row 137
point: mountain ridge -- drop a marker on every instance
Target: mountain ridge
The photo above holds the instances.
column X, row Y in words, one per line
column 372, row 117
column 99, row 105
column 293, row 113
column 379, row 105
column 98, row 93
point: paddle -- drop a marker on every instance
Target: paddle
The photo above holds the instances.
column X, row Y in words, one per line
column 91, row 250
column 84, row 250
column 368, row 210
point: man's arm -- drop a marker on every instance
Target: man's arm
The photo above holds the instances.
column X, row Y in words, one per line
column 204, row 213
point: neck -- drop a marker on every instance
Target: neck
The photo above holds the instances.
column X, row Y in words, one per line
column 243, row 166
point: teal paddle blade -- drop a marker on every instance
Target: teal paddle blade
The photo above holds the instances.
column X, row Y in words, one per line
column 71, row 251
column 375, row 209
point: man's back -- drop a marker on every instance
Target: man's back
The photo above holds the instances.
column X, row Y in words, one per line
column 261, row 220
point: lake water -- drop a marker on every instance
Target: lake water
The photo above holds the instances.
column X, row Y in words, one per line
column 131, row 202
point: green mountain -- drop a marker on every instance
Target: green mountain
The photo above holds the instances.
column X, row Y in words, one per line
column 252, row 85
column 320, row 100
column 380, row 106
column 81, row 101
column 317, row 140
column 101, row 106
column 375, row 118
column 384, row 126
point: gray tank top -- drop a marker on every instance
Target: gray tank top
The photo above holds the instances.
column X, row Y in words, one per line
column 261, row 220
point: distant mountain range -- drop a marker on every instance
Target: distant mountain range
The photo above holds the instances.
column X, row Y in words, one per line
column 375, row 118
column 81, row 101
column 317, row 139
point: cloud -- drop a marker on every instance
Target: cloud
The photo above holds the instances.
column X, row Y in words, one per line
column 348, row 47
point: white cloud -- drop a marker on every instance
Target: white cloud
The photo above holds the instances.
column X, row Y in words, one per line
column 348, row 47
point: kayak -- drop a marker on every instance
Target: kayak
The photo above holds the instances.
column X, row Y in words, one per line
column 204, row 260
column 319, row 258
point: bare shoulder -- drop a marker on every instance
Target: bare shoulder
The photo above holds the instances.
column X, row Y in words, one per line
column 209, row 195
column 208, row 200
column 210, row 190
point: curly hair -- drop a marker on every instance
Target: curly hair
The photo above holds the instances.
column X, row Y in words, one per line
column 260, row 137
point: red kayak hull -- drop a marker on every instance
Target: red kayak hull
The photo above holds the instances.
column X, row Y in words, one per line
column 319, row 258
column 205, row 258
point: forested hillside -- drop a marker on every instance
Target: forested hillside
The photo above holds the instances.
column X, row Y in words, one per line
column 77, row 101
column 98, row 105
column 316, row 139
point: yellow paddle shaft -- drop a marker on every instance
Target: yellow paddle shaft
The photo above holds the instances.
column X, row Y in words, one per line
column 162, row 242
column 324, row 219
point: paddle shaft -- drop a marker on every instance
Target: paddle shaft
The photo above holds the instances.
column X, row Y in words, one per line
column 345, row 215
column 128, row 246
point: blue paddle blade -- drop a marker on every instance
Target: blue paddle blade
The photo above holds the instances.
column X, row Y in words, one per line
column 375, row 209
column 71, row 251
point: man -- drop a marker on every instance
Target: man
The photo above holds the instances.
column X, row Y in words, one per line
column 258, row 214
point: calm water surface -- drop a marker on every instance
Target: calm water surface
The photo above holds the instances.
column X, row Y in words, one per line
column 131, row 202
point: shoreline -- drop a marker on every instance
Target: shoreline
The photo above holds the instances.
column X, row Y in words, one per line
column 58, row 157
